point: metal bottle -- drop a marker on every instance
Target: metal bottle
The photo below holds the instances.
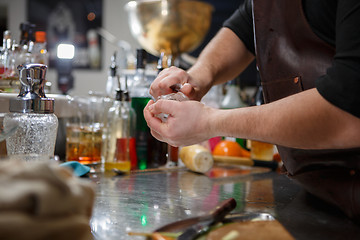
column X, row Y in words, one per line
column 33, row 114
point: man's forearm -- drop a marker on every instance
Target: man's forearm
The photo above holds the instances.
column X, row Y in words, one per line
column 304, row 120
column 224, row 58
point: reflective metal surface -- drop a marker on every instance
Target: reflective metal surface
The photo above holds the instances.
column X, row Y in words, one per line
column 144, row 202
column 170, row 27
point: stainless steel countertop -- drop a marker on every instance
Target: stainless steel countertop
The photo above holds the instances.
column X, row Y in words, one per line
column 144, row 202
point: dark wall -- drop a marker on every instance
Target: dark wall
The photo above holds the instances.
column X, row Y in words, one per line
column 223, row 10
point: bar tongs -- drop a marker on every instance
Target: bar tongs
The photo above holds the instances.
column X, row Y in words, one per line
column 211, row 219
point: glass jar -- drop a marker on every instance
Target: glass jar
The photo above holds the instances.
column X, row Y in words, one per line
column 35, row 135
column 32, row 113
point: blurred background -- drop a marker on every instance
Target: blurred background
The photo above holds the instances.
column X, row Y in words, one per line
column 86, row 25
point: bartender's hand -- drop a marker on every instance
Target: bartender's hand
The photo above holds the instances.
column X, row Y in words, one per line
column 174, row 79
column 188, row 122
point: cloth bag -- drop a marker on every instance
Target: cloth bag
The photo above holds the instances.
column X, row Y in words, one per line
column 41, row 200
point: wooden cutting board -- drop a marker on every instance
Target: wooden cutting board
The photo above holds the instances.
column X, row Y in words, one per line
column 251, row 230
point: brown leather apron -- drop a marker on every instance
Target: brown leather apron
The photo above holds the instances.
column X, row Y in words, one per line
column 290, row 58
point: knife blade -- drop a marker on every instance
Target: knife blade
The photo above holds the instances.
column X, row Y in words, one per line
column 205, row 222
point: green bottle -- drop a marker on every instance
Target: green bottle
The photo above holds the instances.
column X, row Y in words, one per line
column 150, row 152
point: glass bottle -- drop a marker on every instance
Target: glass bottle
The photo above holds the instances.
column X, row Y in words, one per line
column 40, row 54
column 139, row 91
column 32, row 113
column 150, row 152
column 31, row 39
column 13, row 61
column 27, row 39
column 172, row 156
column 232, row 97
column 112, row 83
column 139, row 87
column 94, row 54
column 24, row 33
column 5, row 55
column 121, row 143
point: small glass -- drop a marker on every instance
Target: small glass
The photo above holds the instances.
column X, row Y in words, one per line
column 84, row 130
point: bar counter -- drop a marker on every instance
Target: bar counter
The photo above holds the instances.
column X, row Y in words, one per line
column 144, row 202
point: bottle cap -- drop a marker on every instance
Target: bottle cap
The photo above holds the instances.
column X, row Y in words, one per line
column 7, row 40
column 31, row 98
column 40, row 36
column 31, row 31
column 113, row 65
column 141, row 56
column 7, row 34
column 24, row 26
column 122, row 95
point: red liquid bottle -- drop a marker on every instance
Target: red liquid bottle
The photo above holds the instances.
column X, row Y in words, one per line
column 121, row 150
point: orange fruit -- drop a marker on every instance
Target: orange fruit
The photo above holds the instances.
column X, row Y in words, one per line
column 230, row 148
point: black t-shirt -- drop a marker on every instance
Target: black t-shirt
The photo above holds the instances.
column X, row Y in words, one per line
column 337, row 22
